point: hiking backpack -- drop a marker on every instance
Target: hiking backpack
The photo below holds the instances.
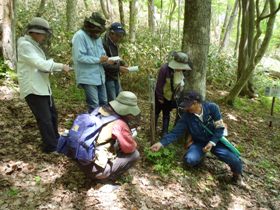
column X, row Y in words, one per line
column 79, row 142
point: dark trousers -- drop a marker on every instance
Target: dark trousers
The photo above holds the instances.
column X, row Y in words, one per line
column 44, row 110
column 166, row 107
column 113, row 169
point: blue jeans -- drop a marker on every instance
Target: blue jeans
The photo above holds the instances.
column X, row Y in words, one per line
column 113, row 89
column 95, row 95
column 195, row 154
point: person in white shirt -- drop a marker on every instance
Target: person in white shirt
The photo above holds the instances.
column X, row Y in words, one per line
column 33, row 70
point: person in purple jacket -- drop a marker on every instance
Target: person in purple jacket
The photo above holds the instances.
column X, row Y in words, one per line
column 170, row 83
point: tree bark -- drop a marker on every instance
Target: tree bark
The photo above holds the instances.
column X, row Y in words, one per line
column 225, row 21
column 237, row 30
column 254, row 54
column 71, row 15
column 227, row 32
column 41, row 10
column 132, row 20
column 196, row 41
column 121, row 12
column 173, row 7
column 104, row 9
column 7, row 23
column 151, row 15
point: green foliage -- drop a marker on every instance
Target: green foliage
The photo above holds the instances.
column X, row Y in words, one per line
column 13, row 191
column 37, row 179
column 221, row 69
column 163, row 160
column 3, row 68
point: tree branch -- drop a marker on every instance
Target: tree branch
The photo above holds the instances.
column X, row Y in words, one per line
column 269, row 15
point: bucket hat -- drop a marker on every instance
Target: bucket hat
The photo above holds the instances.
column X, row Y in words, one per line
column 180, row 61
column 125, row 104
column 97, row 20
column 39, row 25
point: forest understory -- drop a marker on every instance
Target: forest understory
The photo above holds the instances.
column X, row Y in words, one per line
column 30, row 179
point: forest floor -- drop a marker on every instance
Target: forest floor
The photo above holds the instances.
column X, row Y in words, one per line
column 30, row 179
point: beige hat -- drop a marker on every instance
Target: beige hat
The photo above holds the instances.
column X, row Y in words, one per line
column 180, row 61
column 39, row 25
column 125, row 104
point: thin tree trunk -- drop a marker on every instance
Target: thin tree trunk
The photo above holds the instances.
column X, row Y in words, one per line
column 151, row 15
column 228, row 30
column 196, row 41
column 71, row 15
column 225, row 21
column 41, row 9
column 104, row 9
column 121, row 12
column 255, row 53
column 7, row 23
column 173, row 7
column 237, row 29
column 132, row 20
column 179, row 17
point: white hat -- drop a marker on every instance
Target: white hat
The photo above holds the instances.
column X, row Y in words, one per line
column 39, row 25
column 125, row 104
column 180, row 61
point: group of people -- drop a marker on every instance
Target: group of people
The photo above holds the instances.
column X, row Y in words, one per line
column 99, row 76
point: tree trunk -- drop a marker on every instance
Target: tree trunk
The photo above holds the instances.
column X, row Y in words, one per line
column 225, row 21
column 132, row 20
column 71, row 15
column 121, row 12
column 7, row 23
column 228, row 29
column 104, row 9
column 237, row 30
column 196, row 40
column 254, row 54
column 151, row 15
column 179, row 17
column 173, row 7
column 41, row 9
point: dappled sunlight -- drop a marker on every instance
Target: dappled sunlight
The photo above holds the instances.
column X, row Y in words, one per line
column 7, row 94
column 231, row 117
column 239, row 203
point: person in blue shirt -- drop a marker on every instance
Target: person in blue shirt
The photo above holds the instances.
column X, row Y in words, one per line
column 89, row 56
column 198, row 115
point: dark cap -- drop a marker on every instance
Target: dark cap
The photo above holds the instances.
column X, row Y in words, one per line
column 117, row 28
column 190, row 98
column 97, row 20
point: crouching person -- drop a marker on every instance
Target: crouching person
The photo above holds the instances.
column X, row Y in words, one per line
column 116, row 147
column 204, row 123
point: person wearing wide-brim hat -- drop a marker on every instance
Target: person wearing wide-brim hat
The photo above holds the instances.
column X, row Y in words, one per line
column 170, row 83
column 33, row 70
column 116, row 147
column 111, row 40
column 89, row 56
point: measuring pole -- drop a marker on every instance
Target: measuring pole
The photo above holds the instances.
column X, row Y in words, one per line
column 152, row 84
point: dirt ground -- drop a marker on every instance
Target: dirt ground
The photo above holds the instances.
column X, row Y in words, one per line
column 30, row 179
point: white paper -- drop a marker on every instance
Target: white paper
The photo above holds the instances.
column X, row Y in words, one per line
column 133, row 68
column 114, row 58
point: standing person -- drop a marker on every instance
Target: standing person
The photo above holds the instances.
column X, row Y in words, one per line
column 88, row 56
column 170, row 83
column 111, row 40
column 33, row 69
column 116, row 148
column 198, row 119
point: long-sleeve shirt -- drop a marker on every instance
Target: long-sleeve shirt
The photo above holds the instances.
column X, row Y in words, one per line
column 33, row 68
column 212, row 119
column 86, row 53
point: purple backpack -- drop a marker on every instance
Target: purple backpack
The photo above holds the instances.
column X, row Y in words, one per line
column 79, row 143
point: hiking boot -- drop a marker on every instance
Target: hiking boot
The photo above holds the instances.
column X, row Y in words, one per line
column 237, row 179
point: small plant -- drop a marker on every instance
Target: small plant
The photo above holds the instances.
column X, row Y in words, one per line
column 163, row 160
column 37, row 180
column 13, row 191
